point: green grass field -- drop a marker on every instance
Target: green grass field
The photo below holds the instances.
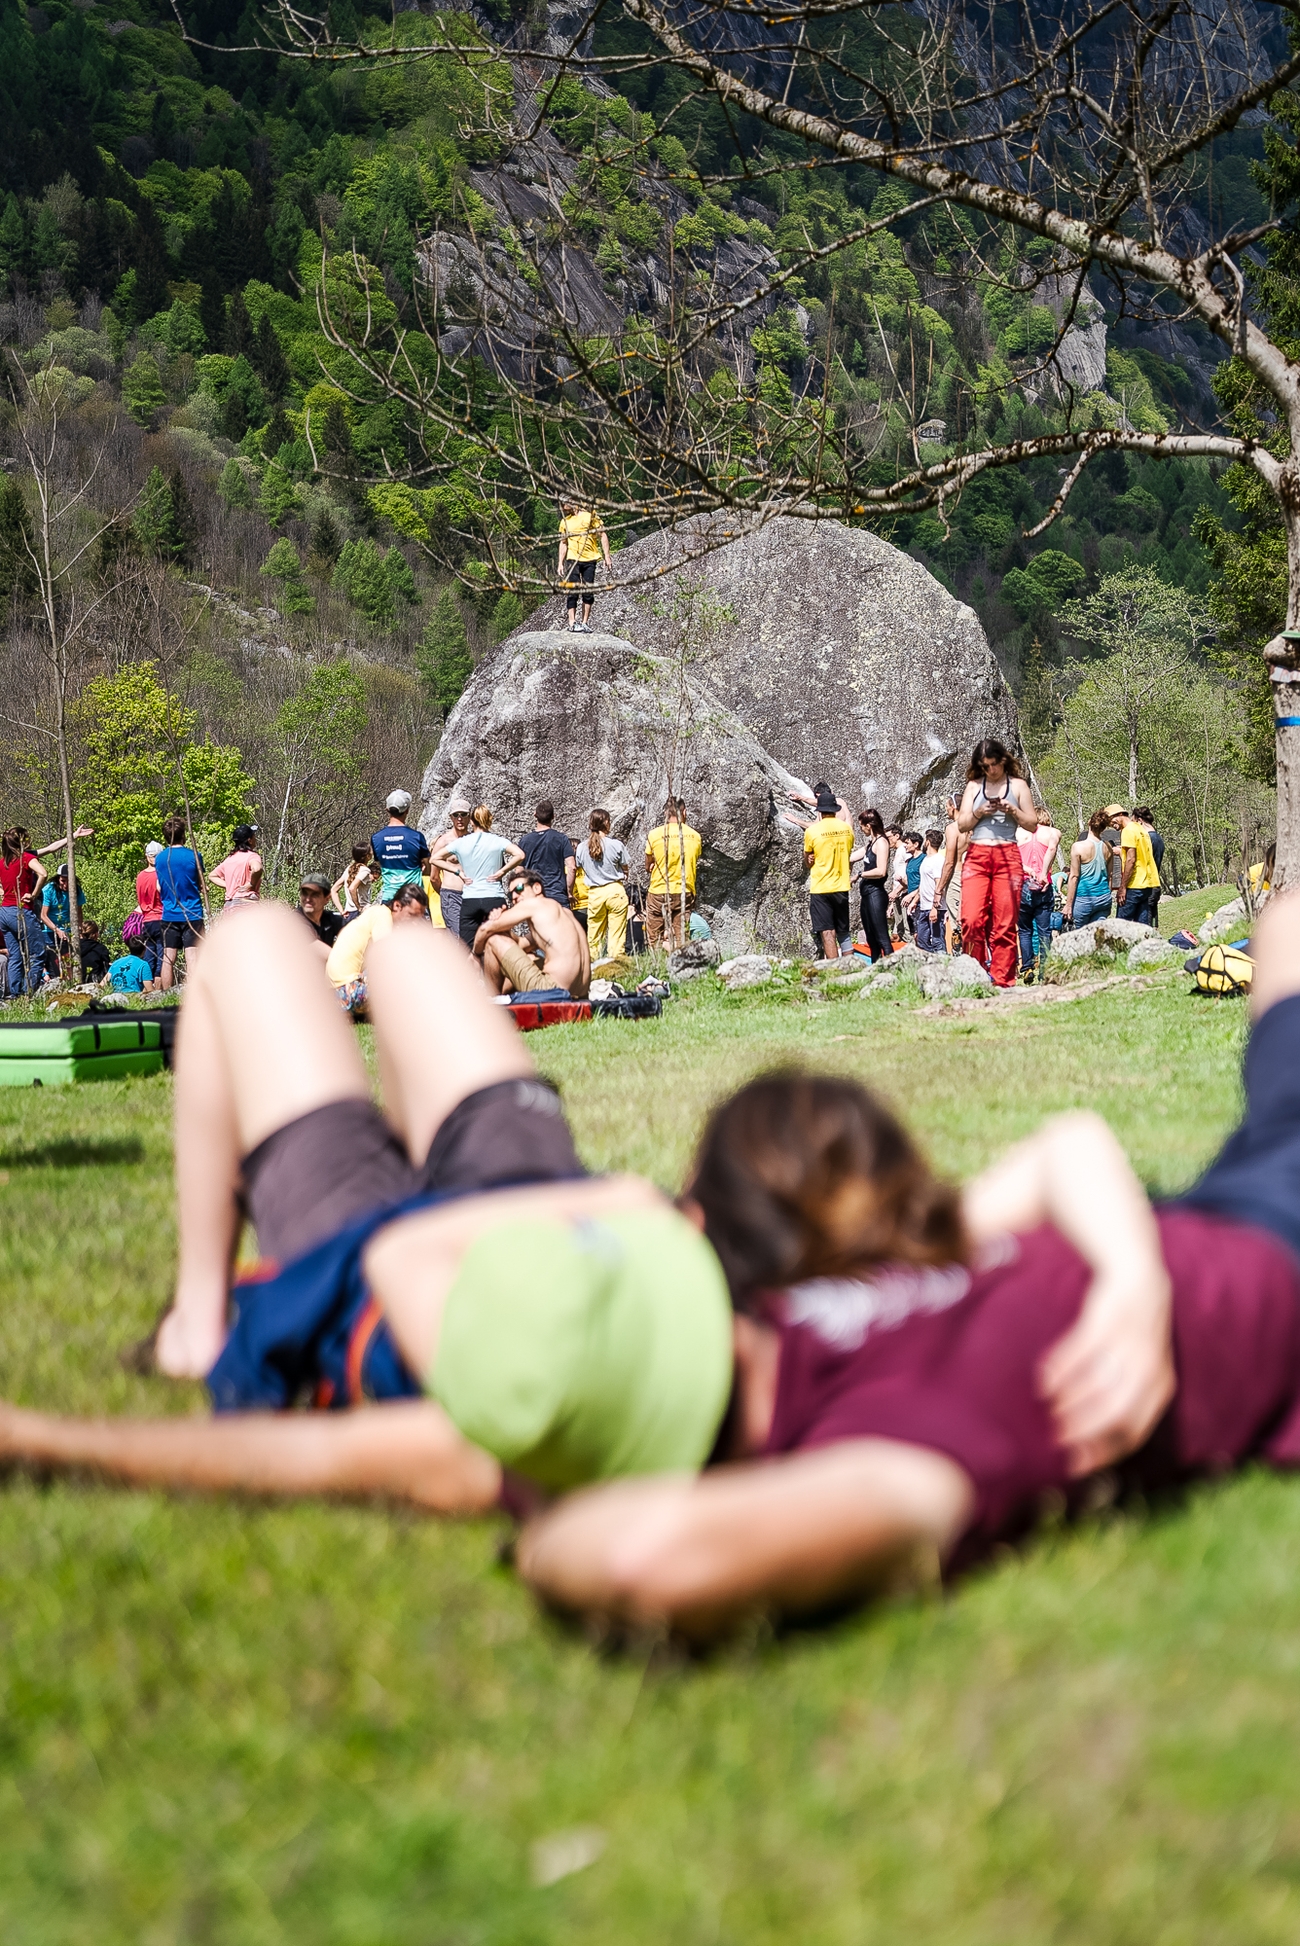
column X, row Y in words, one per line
column 253, row 1724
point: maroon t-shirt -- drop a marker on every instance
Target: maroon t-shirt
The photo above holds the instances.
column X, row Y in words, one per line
column 949, row 1359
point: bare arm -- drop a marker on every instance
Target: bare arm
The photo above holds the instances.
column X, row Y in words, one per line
column 514, row 856
column 1021, row 805
column 445, row 855
column 1111, row 1376
column 1072, row 883
column 792, row 1534
column 966, row 819
column 407, row 1450
column 496, row 923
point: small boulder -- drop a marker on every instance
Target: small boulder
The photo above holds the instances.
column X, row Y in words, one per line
column 1152, row 952
column 941, row 977
column 882, row 983
column 1106, row 938
column 746, row 970
column 694, row 958
column 1231, row 921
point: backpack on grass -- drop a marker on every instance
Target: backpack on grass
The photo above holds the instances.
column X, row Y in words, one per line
column 1224, row 969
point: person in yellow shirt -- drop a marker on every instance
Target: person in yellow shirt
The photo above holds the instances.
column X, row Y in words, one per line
column 672, row 855
column 827, row 848
column 345, row 967
column 582, row 541
column 1140, row 879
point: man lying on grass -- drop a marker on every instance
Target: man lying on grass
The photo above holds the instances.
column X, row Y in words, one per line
column 912, row 1372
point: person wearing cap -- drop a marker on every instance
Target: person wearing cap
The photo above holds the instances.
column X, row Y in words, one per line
column 401, row 852
column 1139, row 884
column 240, row 873
column 148, row 903
column 1113, row 834
column 451, row 878
column 314, row 906
column 569, row 1328
column 827, row 847
column 56, row 917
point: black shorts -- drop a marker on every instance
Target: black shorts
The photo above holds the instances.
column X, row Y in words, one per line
column 182, row 932
column 1255, row 1178
column 578, row 574
column 829, row 912
column 319, row 1173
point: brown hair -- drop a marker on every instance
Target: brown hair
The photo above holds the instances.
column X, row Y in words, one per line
column 14, row 843
column 483, row 818
column 361, row 852
column 596, row 824
column 174, row 830
column 1099, row 822
column 989, row 750
column 871, row 821
column 807, row 1175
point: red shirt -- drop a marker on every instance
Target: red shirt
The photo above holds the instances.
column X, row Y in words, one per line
column 948, row 1359
column 147, row 895
column 16, row 873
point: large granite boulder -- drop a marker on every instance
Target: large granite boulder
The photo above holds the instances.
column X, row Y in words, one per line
column 587, row 720
column 846, row 658
column 795, row 652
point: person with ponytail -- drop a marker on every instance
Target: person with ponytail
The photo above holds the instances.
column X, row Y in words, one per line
column 604, row 862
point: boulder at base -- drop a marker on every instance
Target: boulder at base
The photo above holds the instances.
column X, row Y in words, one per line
column 846, row 658
column 586, row 720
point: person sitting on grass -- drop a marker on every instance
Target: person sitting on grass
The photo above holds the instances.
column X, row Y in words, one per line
column 130, row 973
column 570, row 1328
column 94, row 954
column 345, row 967
column 533, row 943
column 913, row 1372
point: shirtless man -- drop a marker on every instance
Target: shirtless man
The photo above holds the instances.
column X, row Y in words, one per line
column 552, row 930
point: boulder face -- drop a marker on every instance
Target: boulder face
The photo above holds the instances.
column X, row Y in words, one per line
column 846, row 658
column 587, row 720
column 737, row 679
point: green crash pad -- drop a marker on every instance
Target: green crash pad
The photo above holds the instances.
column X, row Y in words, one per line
column 54, row 1055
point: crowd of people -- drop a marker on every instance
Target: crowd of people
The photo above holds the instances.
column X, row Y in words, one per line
column 990, row 883
column 538, row 914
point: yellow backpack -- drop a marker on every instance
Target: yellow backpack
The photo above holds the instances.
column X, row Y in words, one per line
column 1224, row 969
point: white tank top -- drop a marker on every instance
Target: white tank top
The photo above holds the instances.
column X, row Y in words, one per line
column 996, row 826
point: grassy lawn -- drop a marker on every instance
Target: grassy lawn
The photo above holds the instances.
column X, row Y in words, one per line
column 258, row 1724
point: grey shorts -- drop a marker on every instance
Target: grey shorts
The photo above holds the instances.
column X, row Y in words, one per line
column 314, row 1176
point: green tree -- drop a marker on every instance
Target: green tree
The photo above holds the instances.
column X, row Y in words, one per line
column 18, row 580
column 278, row 495
column 319, row 734
column 283, row 565
column 1148, row 632
column 442, row 658
column 142, row 389
column 234, row 485
column 141, row 758
column 375, row 582
column 1047, row 581
column 506, row 616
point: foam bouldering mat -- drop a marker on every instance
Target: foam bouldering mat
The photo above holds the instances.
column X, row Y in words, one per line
column 34, row 1054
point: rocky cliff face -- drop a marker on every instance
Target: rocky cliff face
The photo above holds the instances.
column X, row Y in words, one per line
column 800, row 651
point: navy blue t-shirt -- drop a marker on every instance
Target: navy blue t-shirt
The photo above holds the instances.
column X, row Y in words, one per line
column 545, row 853
column 400, row 851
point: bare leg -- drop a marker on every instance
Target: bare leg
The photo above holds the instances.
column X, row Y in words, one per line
column 1275, row 948
column 830, row 946
column 262, row 1041
column 169, row 968
column 439, row 1037
column 407, row 1449
column 493, row 978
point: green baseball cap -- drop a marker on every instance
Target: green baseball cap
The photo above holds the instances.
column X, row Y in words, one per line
column 583, row 1350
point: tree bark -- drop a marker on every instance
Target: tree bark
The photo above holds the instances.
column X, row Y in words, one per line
column 1283, row 657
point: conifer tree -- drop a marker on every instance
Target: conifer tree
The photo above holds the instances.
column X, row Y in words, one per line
column 442, row 658
column 240, row 338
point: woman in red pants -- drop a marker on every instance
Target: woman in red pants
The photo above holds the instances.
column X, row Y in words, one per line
column 995, row 805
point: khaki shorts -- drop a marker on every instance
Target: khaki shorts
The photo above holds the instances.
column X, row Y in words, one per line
column 520, row 968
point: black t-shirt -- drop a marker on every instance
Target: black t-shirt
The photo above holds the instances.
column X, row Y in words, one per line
column 545, row 852
column 331, row 925
column 95, row 959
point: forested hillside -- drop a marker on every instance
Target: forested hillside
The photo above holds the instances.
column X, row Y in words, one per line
column 187, row 238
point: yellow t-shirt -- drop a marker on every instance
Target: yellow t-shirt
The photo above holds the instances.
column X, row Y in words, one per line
column 672, row 846
column 582, row 531
column 580, row 894
column 348, row 953
column 828, row 842
column 1136, row 838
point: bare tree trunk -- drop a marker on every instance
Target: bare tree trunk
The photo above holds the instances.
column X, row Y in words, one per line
column 65, row 789
column 1283, row 655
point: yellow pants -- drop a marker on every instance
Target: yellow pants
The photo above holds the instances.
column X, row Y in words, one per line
column 606, row 916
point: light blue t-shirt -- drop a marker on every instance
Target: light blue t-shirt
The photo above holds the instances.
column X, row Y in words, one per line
column 479, row 854
column 129, row 974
